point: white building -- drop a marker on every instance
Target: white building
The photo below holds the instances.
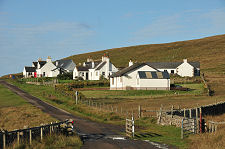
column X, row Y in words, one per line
column 140, row 76
column 46, row 69
column 183, row 69
column 29, row 72
column 93, row 70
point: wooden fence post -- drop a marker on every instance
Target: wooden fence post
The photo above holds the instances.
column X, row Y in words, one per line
column 184, row 112
column 18, row 137
column 4, row 139
column 197, row 123
column 30, row 136
column 139, row 111
column 190, row 116
column 41, row 133
column 200, row 120
column 182, row 129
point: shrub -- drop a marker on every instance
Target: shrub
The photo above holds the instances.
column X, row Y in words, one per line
column 65, row 76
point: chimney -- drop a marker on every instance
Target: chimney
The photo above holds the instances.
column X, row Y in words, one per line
column 49, row 59
column 57, row 63
column 92, row 64
column 185, row 60
column 130, row 63
column 39, row 59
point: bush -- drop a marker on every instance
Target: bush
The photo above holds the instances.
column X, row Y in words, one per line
column 65, row 76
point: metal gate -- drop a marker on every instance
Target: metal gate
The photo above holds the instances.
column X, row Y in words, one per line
column 189, row 126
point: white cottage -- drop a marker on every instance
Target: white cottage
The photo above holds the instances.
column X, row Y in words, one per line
column 93, row 70
column 140, row 76
column 183, row 69
column 46, row 68
column 29, row 72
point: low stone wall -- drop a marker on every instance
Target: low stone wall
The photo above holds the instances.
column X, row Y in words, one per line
column 175, row 117
column 170, row 120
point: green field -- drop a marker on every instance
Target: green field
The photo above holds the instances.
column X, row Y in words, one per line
column 10, row 99
column 196, row 89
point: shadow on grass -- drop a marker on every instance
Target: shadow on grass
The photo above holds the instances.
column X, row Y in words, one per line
column 147, row 135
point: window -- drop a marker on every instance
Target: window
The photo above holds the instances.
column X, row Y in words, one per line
column 195, row 71
column 172, row 71
column 96, row 73
column 103, row 73
column 82, row 74
column 43, row 74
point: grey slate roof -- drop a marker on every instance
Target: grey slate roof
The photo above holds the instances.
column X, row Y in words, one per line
column 171, row 65
column 35, row 64
column 128, row 69
column 89, row 64
column 153, row 75
column 81, row 68
column 30, row 69
column 66, row 64
column 42, row 63
column 101, row 65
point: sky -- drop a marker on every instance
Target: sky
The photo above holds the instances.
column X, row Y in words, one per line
column 32, row 29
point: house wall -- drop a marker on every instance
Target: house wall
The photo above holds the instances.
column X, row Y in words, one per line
column 77, row 73
column 47, row 68
column 185, row 70
column 154, row 84
column 27, row 74
column 128, row 80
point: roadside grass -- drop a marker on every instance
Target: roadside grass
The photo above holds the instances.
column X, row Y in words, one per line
column 208, row 140
column 15, row 112
column 170, row 135
column 51, row 142
column 10, row 99
column 196, row 89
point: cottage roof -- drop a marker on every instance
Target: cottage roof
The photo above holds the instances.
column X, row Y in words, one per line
column 81, row 68
column 35, row 64
column 42, row 63
column 65, row 64
column 89, row 64
column 101, row 65
column 171, row 65
column 153, row 75
column 30, row 69
column 128, row 69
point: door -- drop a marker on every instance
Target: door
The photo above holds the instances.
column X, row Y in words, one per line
column 86, row 75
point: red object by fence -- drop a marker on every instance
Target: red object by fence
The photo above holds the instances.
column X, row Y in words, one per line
column 200, row 123
column 35, row 74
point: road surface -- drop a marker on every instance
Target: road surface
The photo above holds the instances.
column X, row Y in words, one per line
column 93, row 134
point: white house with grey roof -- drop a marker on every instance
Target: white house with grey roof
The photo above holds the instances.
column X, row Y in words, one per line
column 140, row 76
column 93, row 70
column 65, row 66
column 48, row 68
column 183, row 69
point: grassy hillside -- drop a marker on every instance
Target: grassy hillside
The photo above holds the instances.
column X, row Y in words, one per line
column 210, row 52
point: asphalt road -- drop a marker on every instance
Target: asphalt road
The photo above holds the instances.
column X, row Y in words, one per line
column 93, row 134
